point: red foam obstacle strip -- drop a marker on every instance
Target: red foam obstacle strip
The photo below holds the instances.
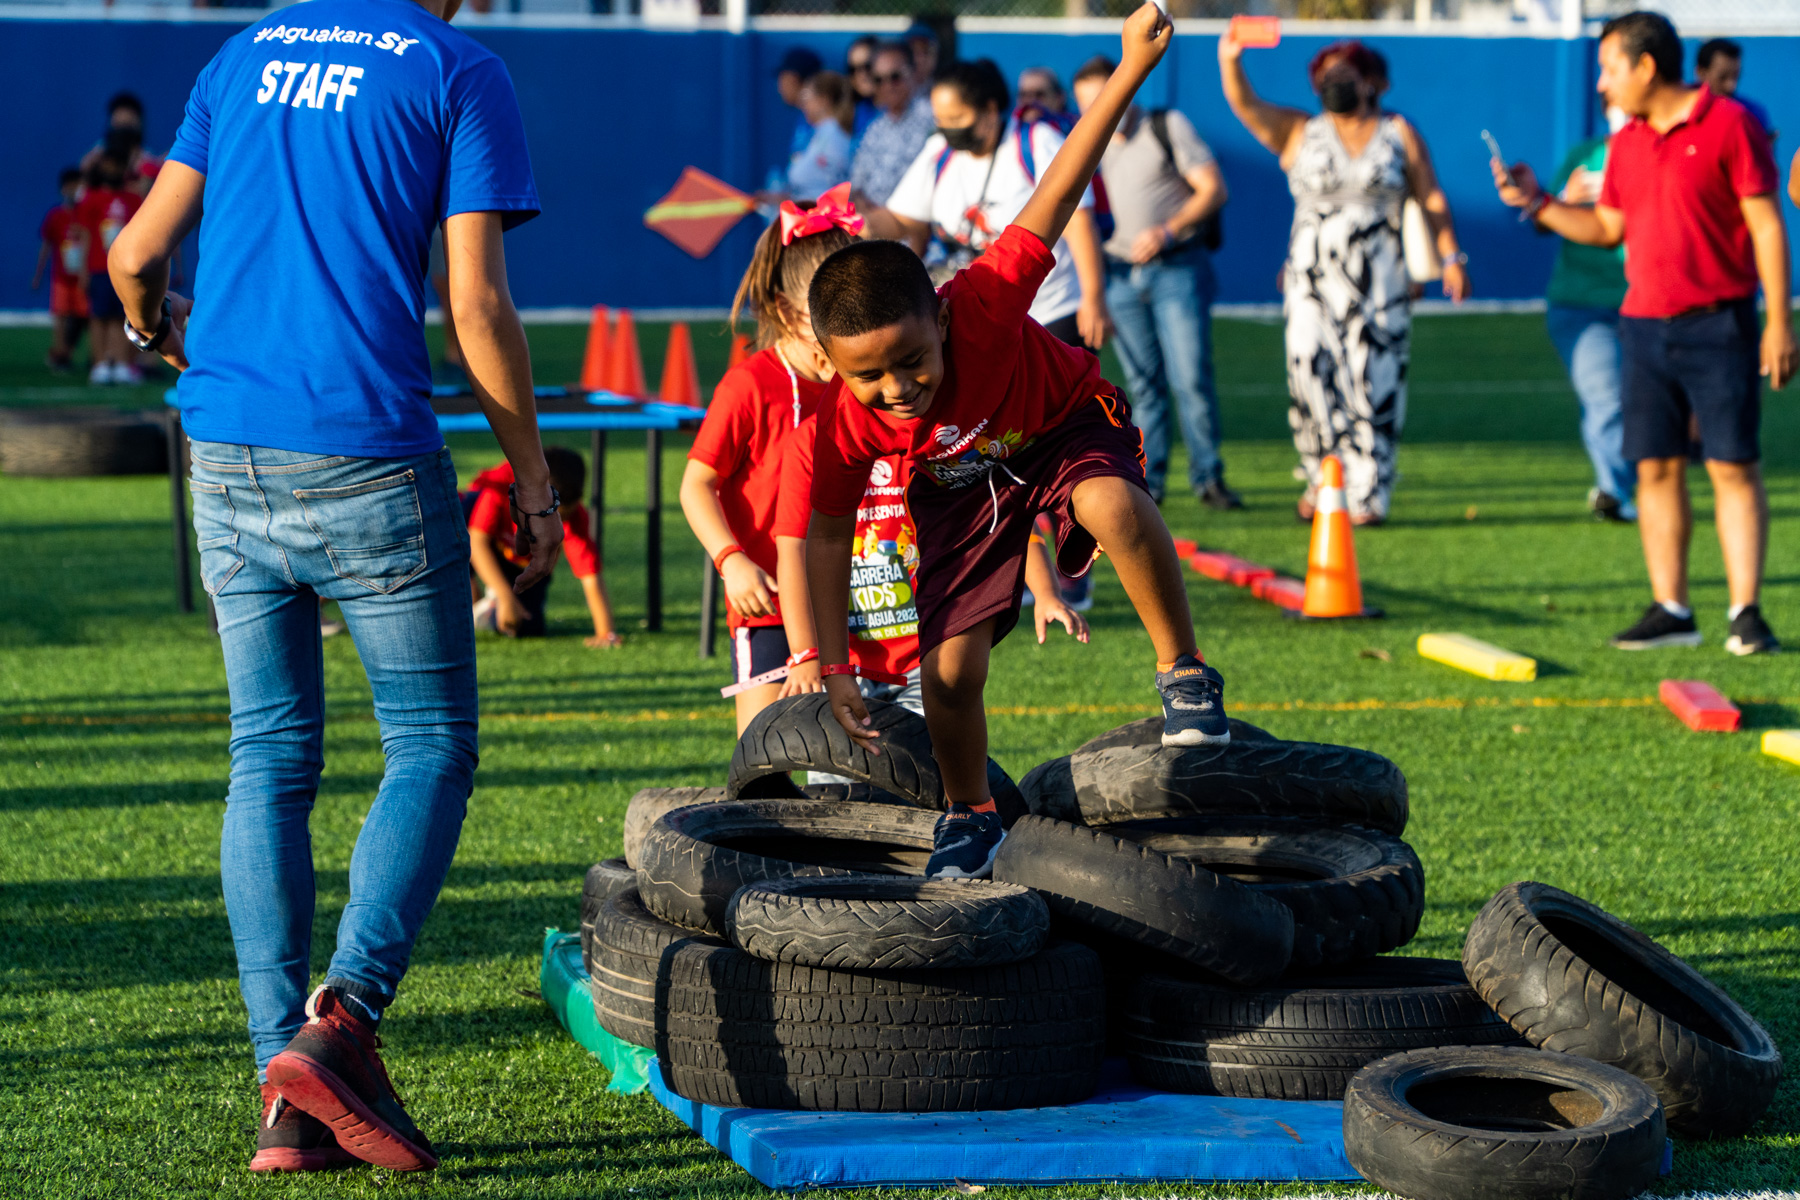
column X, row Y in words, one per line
column 1229, row 568
column 1700, row 706
column 1283, row 593
column 1184, row 548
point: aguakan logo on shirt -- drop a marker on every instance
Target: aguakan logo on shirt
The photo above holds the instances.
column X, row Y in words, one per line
column 967, row 457
column 352, row 37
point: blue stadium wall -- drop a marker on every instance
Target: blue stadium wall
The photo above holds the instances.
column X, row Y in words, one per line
column 613, row 115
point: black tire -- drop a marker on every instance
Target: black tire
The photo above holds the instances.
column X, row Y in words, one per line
column 1169, row 904
column 651, row 803
column 800, row 734
column 879, row 922
column 735, row 1030
column 694, row 858
column 83, row 441
column 1304, row 1037
column 1327, row 785
column 1502, row 1124
column 1354, row 893
column 604, row 880
column 631, row 953
column 1575, row 979
column 1148, row 732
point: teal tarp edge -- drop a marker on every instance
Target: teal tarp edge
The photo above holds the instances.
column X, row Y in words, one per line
column 568, row 991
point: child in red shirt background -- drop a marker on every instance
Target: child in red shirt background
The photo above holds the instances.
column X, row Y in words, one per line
column 66, row 255
column 105, row 208
column 494, row 559
column 1001, row 422
column 884, row 620
column 733, row 475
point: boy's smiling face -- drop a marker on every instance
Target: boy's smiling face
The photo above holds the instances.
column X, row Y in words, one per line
column 896, row 368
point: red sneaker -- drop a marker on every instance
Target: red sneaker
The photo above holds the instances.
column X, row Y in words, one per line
column 332, row 1070
column 290, row 1140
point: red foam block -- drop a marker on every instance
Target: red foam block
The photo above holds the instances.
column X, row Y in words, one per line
column 1700, row 706
column 1283, row 593
column 1185, row 548
column 1229, row 568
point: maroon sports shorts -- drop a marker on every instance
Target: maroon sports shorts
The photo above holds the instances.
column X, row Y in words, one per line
column 973, row 539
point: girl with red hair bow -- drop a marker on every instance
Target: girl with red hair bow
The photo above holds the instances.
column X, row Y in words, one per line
column 733, row 473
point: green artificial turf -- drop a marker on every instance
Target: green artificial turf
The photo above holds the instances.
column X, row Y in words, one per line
column 124, row 1070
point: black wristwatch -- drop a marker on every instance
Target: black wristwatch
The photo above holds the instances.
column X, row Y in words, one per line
column 149, row 343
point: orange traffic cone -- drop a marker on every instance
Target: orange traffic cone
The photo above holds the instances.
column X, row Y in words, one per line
column 593, row 362
column 740, row 350
column 625, row 370
column 1333, row 588
column 680, row 378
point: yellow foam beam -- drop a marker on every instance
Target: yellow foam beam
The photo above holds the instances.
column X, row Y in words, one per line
column 1783, row 744
column 1477, row 657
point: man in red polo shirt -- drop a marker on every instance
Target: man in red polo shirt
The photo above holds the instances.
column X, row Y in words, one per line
column 1691, row 191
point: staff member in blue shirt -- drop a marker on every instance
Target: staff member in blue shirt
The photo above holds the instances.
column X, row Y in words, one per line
column 324, row 143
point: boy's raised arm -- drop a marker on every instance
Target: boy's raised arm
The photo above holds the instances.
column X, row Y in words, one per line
column 1058, row 194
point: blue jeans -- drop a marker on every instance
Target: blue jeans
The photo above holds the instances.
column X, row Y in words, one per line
column 1162, row 322
column 1588, row 341
column 279, row 530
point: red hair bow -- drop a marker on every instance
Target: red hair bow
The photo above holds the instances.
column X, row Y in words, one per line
column 833, row 210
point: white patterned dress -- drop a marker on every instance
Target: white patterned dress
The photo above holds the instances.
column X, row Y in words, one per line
column 1348, row 305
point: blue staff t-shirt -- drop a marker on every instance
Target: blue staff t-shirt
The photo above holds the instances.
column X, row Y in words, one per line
column 334, row 135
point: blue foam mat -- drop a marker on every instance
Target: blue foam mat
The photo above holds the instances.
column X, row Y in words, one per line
column 1125, row 1132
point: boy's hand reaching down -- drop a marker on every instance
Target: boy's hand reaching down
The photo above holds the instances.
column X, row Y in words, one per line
column 848, row 707
column 1050, row 610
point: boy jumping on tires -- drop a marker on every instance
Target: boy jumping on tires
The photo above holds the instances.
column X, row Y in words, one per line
column 999, row 421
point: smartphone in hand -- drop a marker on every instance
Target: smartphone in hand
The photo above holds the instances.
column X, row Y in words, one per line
column 1256, row 33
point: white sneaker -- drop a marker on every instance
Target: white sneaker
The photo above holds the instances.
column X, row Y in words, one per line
column 125, row 373
column 101, row 375
column 487, row 615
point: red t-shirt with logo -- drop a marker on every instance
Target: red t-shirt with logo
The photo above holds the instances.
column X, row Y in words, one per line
column 755, row 410
column 492, row 515
column 58, row 232
column 884, row 622
column 1686, row 243
column 103, row 212
column 1006, row 380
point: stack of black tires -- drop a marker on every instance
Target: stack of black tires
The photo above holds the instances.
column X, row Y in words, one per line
column 1222, row 917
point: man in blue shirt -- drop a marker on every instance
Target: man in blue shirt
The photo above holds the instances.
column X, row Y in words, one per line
column 325, row 142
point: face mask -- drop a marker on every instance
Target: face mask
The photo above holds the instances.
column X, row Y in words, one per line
column 965, row 138
column 1341, row 95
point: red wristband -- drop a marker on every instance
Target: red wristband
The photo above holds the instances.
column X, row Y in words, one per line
column 721, row 556
column 863, row 673
column 804, row 656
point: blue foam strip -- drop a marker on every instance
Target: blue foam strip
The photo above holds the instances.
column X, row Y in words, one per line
column 1124, row 1133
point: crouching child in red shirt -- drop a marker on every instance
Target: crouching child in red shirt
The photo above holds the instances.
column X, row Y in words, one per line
column 999, row 421
column 493, row 558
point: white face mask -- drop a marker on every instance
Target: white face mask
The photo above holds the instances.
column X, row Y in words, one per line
column 1616, row 118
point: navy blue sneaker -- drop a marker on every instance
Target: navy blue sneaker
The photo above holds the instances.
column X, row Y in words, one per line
column 964, row 844
column 1193, row 696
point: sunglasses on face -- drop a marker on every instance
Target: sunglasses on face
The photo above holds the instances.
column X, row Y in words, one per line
column 857, row 68
column 895, row 77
